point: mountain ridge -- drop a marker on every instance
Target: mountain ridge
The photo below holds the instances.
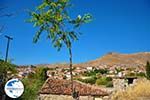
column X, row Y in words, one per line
column 110, row 59
column 113, row 58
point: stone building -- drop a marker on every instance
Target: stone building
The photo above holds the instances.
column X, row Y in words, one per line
column 121, row 83
column 56, row 89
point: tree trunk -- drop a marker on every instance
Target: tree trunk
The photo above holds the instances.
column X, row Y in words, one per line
column 70, row 65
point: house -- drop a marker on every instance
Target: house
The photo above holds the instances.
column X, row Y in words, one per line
column 56, row 89
column 89, row 68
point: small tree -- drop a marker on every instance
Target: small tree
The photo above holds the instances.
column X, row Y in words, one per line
column 148, row 70
column 4, row 76
column 52, row 17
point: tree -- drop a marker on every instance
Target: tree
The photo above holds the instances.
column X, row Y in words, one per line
column 4, row 68
column 52, row 17
column 4, row 76
column 148, row 70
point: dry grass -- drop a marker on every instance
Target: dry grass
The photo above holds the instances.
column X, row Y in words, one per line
column 137, row 92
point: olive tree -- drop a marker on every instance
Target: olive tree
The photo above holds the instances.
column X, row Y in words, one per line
column 52, row 18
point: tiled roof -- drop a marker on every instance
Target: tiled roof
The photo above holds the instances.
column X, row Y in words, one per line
column 63, row 87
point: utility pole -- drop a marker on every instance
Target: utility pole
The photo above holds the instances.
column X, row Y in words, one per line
column 8, row 41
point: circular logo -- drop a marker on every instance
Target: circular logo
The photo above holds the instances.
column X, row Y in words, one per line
column 14, row 88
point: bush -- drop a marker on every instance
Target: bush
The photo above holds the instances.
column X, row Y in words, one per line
column 91, row 80
column 107, row 81
column 102, row 71
column 95, row 72
column 131, row 74
column 102, row 81
column 119, row 70
column 32, row 87
column 109, row 84
column 4, row 68
column 90, row 73
column 108, row 78
column 4, row 76
column 141, row 74
column 33, row 83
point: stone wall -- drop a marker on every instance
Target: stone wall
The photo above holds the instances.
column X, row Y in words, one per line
column 67, row 97
column 63, row 97
column 119, row 84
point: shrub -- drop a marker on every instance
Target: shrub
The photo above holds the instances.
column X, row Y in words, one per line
column 102, row 81
column 41, row 73
column 131, row 74
column 107, row 81
column 90, row 80
column 119, row 70
column 102, row 71
column 109, row 84
column 141, row 74
column 95, row 72
column 33, row 83
column 89, row 73
column 32, row 87
column 108, row 78
column 4, row 76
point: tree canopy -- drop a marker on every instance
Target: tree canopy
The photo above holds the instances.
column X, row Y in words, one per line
column 53, row 18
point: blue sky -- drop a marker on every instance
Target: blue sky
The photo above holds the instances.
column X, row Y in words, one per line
column 118, row 26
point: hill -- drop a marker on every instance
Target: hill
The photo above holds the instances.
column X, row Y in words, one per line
column 136, row 59
column 110, row 59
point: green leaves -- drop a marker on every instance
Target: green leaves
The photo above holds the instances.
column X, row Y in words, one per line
column 37, row 35
column 42, row 6
column 73, row 35
column 5, row 68
column 87, row 18
column 58, row 44
column 81, row 20
column 52, row 17
column 33, row 83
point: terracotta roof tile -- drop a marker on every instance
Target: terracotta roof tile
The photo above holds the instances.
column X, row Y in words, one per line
column 63, row 87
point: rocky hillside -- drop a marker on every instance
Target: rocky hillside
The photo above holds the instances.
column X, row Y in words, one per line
column 136, row 59
column 130, row 60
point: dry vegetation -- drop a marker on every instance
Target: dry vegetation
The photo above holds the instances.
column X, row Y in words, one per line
column 141, row 91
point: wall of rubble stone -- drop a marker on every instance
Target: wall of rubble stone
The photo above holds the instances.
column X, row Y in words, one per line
column 119, row 84
column 62, row 97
